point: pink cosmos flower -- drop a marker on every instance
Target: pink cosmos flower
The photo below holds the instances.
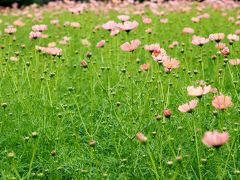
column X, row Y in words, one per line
column 159, row 55
column 233, row 37
column 141, row 137
column 198, row 91
column 128, row 25
column 110, row 25
column 225, row 51
column 149, row 31
column 123, row 18
column 39, row 28
column 145, row 67
column 220, row 46
column 146, row 20
column 188, row 107
column 75, row 24
column 188, row 30
column 100, row 44
column 19, row 23
column 195, row 19
column 217, row 37
column 54, row 21
column 237, row 31
column 215, row 138
column 151, row 47
column 50, row 50
column 222, row 102
column 10, row 30
column 114, row 32
column 35, row 35
column 164, row 21
column 130, row 47
column 170, row 63
column 199, row 41
column 234, row 62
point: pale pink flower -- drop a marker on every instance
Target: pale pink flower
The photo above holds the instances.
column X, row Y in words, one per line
column 151, row 47
column 52, row 44
column 75, row 24
column 237, row 31
column 159, row 54
column 146, row 20
column 114, row 32
column 123, row 18
column 13, row 58
column 195, row 19
column 50, row 50
column 40, row 28
column 220, row 46
column 129, row 47
column 217, row 37
column 100, row 44
column 188, row 30
column 85, row 42
column 141, row 137
column 149, row 31
column 234, row 62
column 233, row 37
column 225, row 51
column 144, row 67
column 199, row 41
column 170, row 63
column 164, row 21
column 188, row 107
column 198, row 91
column 54, row 21
column 19, row 23
column 35, row 35
column 128, row 25
column 222, row 102
column 10, row 30
column 215, row 138
column 110, row 25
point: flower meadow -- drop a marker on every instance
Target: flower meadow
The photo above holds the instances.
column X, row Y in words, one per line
column 120, row 90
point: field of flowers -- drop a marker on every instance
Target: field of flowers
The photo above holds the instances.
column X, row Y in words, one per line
column 120, row 91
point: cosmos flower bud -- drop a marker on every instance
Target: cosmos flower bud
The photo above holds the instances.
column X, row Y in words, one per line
column 84, row 64
column 167, row 113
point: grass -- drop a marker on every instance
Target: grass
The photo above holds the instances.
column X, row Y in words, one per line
column 111, row 101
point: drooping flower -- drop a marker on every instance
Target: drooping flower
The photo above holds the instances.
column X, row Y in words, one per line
column 100, row 44
column 215, row 138
column 188, row 107
column 129, row 47
column 141, row 137
column 222, row 102
column 144, row 67
column 225, row 51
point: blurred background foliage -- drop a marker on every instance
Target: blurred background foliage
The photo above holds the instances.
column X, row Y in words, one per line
column 27, row 2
